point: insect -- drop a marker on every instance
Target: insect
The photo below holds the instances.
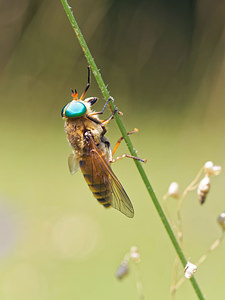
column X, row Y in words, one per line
column 92, row 152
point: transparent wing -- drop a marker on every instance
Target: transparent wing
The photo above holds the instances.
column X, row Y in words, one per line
column 119, row 199
column 73, row 163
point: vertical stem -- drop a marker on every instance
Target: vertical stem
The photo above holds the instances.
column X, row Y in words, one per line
column 106, row 95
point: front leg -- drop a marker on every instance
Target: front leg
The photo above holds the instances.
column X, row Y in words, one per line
column 104, row 107
column 101, row 122
column 105, row 122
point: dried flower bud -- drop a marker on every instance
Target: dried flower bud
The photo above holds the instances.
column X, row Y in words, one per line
column 123, row 270
column 203, row 189
column 217, row 170
column 134, row 254
column 211, row 169
column 221, row 220
column 189, row 270
column 173, row 190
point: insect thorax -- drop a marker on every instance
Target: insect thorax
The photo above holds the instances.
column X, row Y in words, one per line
column 75, row 129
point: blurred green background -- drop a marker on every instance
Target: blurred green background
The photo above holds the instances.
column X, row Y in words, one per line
column 163, row 62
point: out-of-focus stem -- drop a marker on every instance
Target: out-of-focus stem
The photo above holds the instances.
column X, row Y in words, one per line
column 189, row 188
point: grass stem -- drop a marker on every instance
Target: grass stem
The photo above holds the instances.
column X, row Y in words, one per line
column 123, row 131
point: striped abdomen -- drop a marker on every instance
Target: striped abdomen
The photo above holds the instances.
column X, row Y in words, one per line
column 97, row 179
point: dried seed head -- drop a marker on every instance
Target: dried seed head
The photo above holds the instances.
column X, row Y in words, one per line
column 221, row 220
column 123, row 270
column 208, row 166
column 189, row 270
column 173, row 190
column 203, row 189
column 134, row 254
column 211, row 169
column 217, row 170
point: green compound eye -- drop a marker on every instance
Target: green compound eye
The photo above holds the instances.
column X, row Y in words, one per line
column 74, row 109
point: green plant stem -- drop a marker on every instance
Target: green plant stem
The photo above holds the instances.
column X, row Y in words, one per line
column 106, row 95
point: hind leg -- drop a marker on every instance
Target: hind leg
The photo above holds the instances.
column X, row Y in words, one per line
column 124, row 155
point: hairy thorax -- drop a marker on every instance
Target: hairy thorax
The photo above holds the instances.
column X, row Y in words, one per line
column 75, row 129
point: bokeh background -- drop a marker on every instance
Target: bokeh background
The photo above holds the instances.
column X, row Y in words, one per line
column 163, row 62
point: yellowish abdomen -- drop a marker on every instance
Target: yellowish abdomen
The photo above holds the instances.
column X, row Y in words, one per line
column 97, row 180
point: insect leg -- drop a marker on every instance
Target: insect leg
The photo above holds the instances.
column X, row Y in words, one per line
column 120, row 140
column 91, row 100
column 88, row 84
column 105, row 122
column 104, row 107
column 124, row 155
column 101, row 122
column 129, row 156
